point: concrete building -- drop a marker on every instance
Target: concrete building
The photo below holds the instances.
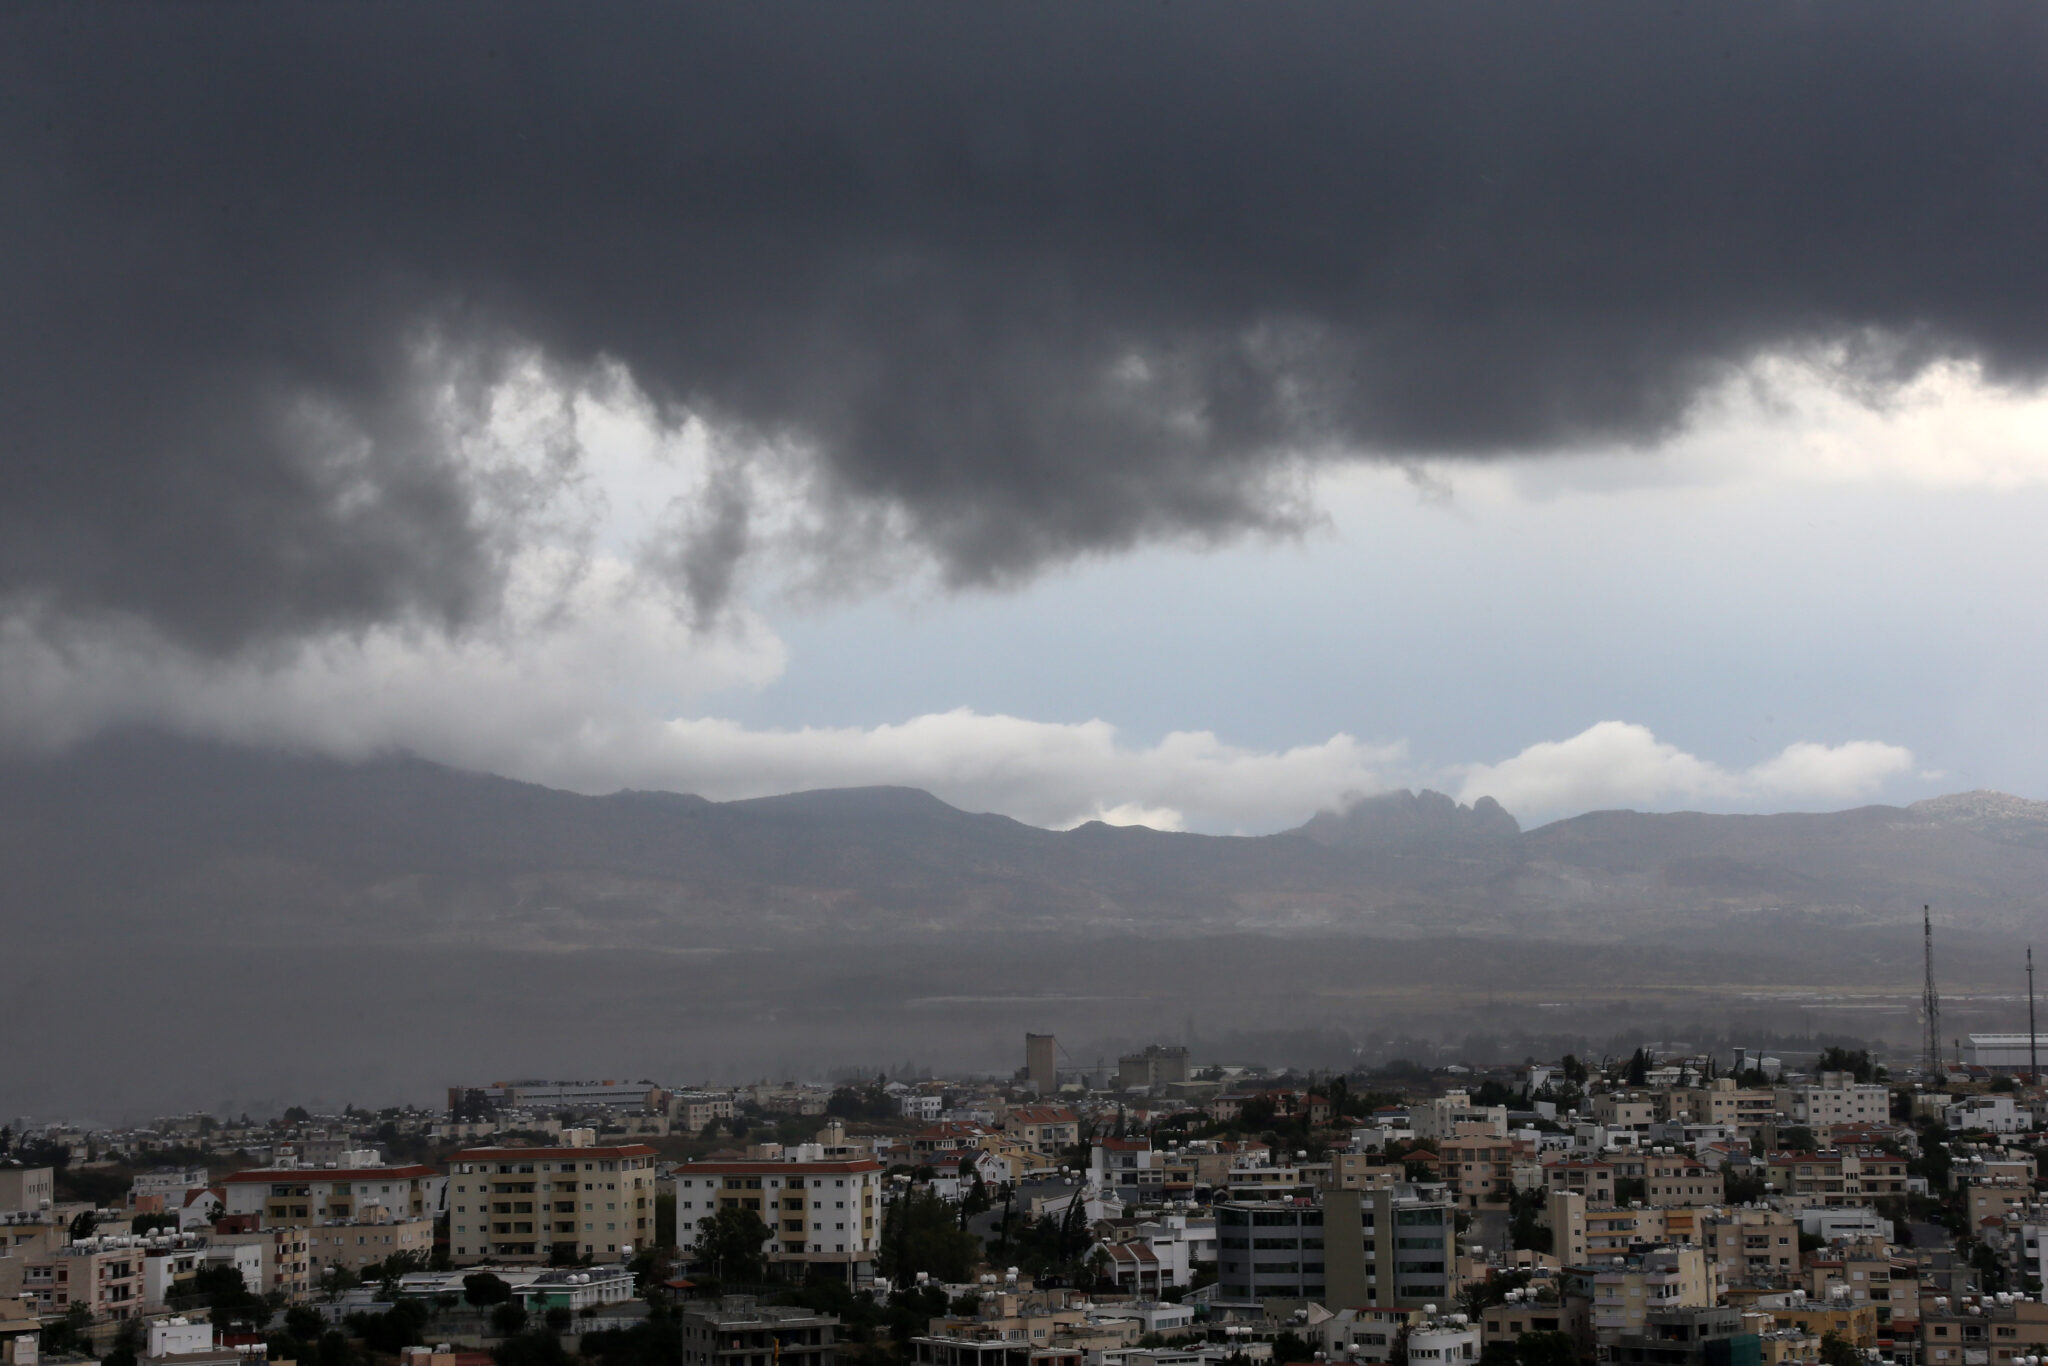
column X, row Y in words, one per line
column 1041, row 1063
column 282, row 1250
column 517, row 1205
column 1157, row 1065
column 576, row 1289
column 1443, row 1341
column 692, row 1110
column 1837, row 1098
column 1661, row 1279
column 559, row 1095
column 1453, row 1113
column 354, row 1244
column 1271, row 1249
column 1995, row 1113
column 1478, row 1170
column 313, row 1195
column 1752, row 1243
column 1049, row 1129
column 1366, row 1335
column 741, row 1332
column 1991, row 1329
column 103, row 1275
column 821, row 1216
column 1673, row 1179
column 1694, row 1336
column 29, row 1189
column 1392, row 1246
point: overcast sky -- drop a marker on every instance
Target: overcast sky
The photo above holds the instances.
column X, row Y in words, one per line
column 1185, row 414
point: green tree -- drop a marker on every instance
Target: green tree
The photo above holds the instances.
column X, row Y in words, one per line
column 1857, row 1064
column 304, row 1323
column 665, row 1219
column 1836, row 1350
column 508, row 1318
column 1289, row 1347
column 1547, row 1349
column 481, row 1288
column 128, row 1343
column 730, row 1244
column 920, row 1233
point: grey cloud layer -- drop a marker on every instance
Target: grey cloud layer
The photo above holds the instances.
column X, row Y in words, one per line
column 1045, row 279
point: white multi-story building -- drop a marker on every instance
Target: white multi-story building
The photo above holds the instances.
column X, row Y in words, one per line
column 920, row 1105
column 287, row 1196
column 825, row 1215
column 1453, row 1114
column 1994, row 1113
column 1835, row 1099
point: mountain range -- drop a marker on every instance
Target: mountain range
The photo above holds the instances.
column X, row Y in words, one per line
column 151, row 836
column 188, row 922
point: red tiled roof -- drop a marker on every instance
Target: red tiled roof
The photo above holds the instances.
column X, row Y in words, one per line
column 751, row 1168
column 312, row 1174
column 515, row 1154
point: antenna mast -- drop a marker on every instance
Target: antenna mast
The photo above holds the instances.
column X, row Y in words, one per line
column 2033, row 1048
column 1930, row 1001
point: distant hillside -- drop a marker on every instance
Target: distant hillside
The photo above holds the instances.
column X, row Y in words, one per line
column 152, row 838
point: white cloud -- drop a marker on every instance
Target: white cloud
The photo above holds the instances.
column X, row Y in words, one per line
column 1618, row 764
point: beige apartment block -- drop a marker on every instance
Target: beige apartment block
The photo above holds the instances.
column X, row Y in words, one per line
column 1678, row 1180
column 519, row 1205
column 1753, row 1243
column 353, row 1244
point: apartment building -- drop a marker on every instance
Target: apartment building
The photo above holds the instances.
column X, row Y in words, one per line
column 283, row 1253
column 1453, row 1113
column 354, row 1244
column 1664, row 1278
column 103, row 1275
column 1865, row 1274
column 1635, row 1111
column 1157, row 1065
column 1477, row 1169
column 518, row 1205
column 1270, row 1249
column 822, row 1216
column 1837, row 1098
column 1721, row 1101
column 1593, row 1180
column 1991, row 1329
column 1673, row 1179
column 692, row 1110
column 315, row 1195
column 1844, row 1176
column 26, row 1188
column 1128, row 1167
column 1753, row 1243
column 743, row 1332
column 1049, row 1129
column 1392, row 1246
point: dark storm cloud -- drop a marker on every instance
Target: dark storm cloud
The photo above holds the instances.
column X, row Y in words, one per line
column 1048, row 279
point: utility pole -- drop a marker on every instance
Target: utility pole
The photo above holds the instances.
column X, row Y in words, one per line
column 2033, row 1049
column 1930, row 1003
